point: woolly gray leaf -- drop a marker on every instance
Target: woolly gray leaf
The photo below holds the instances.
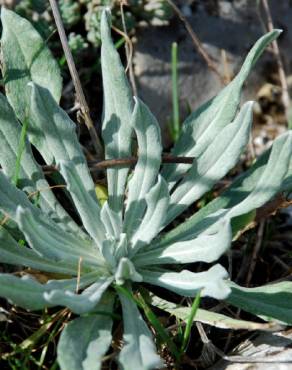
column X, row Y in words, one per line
column 138, row 352
column 203, row 125
column 30, row 178
column 157, row 201
column 80, row 303
column 147, row 167
column 61, row 142
column 207, row 247
column 213, row 164
column 211, row 283
column 87, row 207
column 116, row 130
column 85, row 340
column 26, row 58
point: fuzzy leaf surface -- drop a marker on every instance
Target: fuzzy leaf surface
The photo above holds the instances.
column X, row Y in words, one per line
column 31, row 178
column 12, row 253
column 207, row 247
column 251, row 190
column 85, row 341
column 26, row 58
column 28, row 293
column 146, row 170
column 51, row 242
column 80, row 303
column 88, row 208
column 116, row 128
column 203, row 125
column 214, row 163
column 61, row 142
column 211, row 283
column 45, row 236
column 139, row 352
column 157, row 201
column 268, row 301
column 211, row 318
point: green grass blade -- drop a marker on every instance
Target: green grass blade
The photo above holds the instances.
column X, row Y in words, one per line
column 158, row 327
column 187, row 332
column 175, row 130
column 152, row 318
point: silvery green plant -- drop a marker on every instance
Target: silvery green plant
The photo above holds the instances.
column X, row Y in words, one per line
column 86, row 15
column 123, row 242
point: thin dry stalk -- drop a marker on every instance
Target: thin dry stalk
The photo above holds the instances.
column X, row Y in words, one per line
column 226, row 67
column 4, row 220
column 124, row 162
column 78, row 275
column 37, row 192
column 129, row 50
column 276, row 51
column 260, row 235
column 76, row 81
column 196, row 41
column 128, row 42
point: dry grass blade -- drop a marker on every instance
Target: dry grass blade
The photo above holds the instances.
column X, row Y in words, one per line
column 77, row 84
column 276, row 51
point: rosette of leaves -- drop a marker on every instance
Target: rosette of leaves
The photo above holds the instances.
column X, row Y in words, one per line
column 121, row 243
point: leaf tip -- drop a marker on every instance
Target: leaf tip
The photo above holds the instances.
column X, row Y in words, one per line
column 278, row 30
column 4, row 12
column 105, row 24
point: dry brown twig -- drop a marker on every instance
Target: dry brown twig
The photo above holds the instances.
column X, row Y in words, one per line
column 275, row 48
column 123, row 162
column 256, row 249
column 76, row 81
column 196, row 41
column 129, row 49
column 128, row 42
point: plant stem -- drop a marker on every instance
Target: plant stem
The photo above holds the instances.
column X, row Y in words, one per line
column 187, row 332
column 276, row 51
column 76, row 81
column 162, row 333
column 20, row 151
column 255, row 253
column 141, row 303
column 129, row 51
column 124, row 162
column 175, row 102
column 197, row 42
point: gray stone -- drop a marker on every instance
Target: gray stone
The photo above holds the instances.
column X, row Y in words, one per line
column 234, row 29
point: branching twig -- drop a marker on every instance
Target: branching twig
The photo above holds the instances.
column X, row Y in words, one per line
column 197, row 42
column 262, row 213
column 74, row 75
column 129, row 50
column 276, row 51
column 124, row 162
